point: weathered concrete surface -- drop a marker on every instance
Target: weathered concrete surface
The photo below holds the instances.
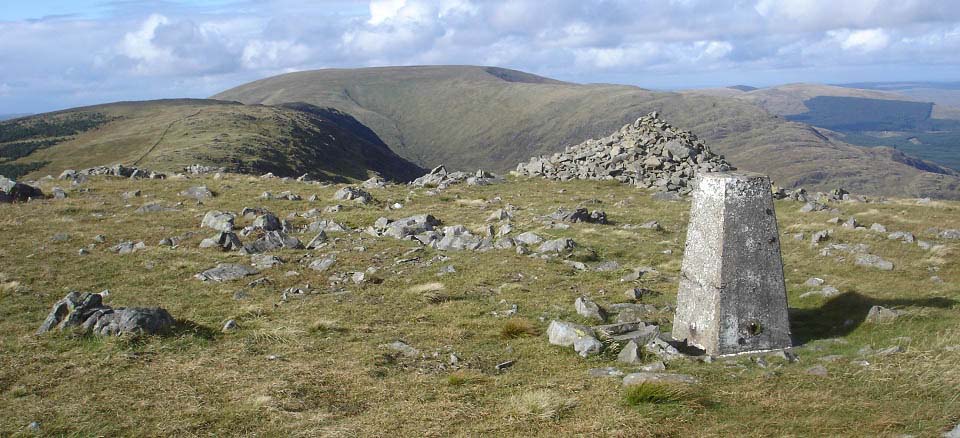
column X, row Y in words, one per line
column 732, row 297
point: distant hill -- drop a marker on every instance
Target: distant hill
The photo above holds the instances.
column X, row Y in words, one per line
column 12, row 116
column 469, row 117
column 169, row 134
column 940, row 93
column 868, row 117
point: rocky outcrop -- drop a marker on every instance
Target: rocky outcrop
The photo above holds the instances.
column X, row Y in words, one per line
column 648, row 153
column 88, row 314
column 12, row 191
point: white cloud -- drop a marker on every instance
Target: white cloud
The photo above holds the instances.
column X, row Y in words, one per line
column 138, row 46
column 171, row 49
column 867, row 40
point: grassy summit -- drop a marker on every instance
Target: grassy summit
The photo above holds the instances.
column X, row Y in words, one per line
column 316, row 365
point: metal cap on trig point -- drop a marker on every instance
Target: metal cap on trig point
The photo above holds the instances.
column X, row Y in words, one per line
column 732, row 298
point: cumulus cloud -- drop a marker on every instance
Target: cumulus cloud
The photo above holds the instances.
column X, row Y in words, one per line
column 145, row 49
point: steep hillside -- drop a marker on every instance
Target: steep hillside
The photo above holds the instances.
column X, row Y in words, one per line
column 866, row 117
column 468, row 117
column 169, row 134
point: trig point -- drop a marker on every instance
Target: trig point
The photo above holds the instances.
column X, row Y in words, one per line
column 732, row 298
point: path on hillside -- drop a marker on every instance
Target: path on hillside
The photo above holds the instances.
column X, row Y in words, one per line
column 162, row 135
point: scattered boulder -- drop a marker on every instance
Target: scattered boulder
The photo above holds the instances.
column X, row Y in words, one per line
column 270, row 241
column 197, row 192
column 267, row 222
column 458, row 238
column 323, row 264
column 317, row 240
column 557, row 246
column 529, row 238
column 881, row 315
column 264, row 261
column 128, row 247
column 375, row 182
column 903, row 236
column 355, row 194
column 226, row 241
column 218, row 220
column 327, row 226
column 950, row 234
column 579, row 215
column 589, row 309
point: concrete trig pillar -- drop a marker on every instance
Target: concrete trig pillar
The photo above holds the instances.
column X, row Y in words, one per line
column 732, row 297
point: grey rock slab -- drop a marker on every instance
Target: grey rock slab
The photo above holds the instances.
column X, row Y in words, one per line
column 732, row 296
column 529, row 238
column 873, row 261
column 226, row 272
column 605, row 372
column 630, row 353
column 198, row 193
column 323, row 264
column 645, row 377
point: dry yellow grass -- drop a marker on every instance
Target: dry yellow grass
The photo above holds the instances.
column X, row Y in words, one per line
column 314, row 366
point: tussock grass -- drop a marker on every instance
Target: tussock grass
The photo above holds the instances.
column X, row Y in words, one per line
column 541, row 404
column 517, row 328
column 465, row 378
column 656, row 393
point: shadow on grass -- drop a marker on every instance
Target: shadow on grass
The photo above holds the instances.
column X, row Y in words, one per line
column 185, row 327
column 844, row 313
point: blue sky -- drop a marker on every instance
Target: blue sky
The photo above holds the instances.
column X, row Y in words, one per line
column 62, row 53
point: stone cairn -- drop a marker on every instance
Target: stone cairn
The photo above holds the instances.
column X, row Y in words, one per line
column 649, row 153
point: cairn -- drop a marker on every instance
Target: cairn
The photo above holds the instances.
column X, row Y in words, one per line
column 648, row 153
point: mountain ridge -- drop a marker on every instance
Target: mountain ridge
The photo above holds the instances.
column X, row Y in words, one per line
column 465, row 117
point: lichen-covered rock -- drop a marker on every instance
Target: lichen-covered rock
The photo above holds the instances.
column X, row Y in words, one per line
column 218, row 220
column 565, row 334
